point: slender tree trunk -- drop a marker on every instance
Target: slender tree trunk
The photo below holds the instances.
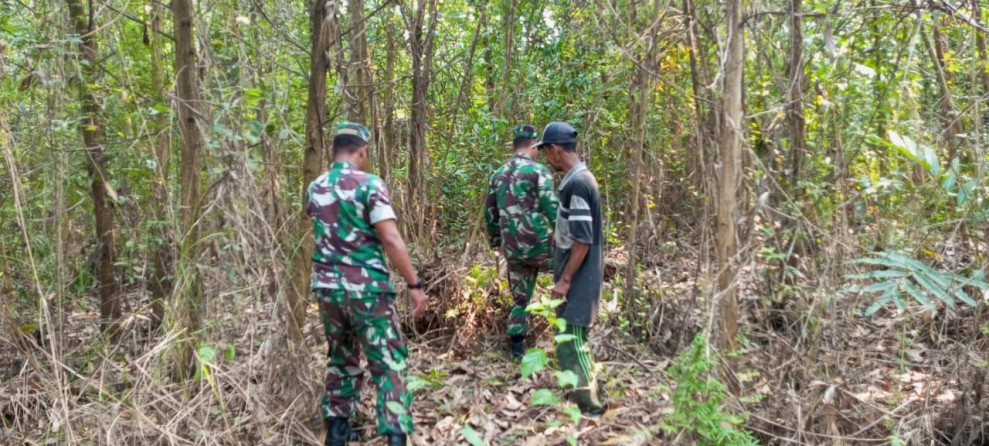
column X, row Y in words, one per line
column 509, row 90
column 795, row 103
column 323, row 12
column 421, row 41
column 387, row 134
column 164, row 251
column 980, row 46
column 697, row 137
column 462, row 98
column 729, row 177
column 936, row 51
column 362, row 81
column 638, row 110
column 189, row 307
column 93, row 137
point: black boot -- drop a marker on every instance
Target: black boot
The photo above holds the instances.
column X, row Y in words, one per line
column 337, row 431
column 396, row 440
column 518, row 346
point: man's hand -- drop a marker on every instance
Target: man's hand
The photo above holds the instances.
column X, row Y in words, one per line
column 419, row 303
column 561, row 288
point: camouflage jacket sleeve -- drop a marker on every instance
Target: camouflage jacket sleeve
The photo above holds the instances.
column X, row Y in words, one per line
column 491, row 217
column 378, row 207
column 548, row 200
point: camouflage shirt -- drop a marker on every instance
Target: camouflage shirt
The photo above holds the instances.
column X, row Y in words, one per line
column 520, row 209
column 344, row 204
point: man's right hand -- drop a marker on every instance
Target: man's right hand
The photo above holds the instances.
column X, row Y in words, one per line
column 419, row 302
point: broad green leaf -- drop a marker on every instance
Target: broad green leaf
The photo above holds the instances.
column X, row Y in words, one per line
column 877, row 274
column 917, row 295
column 472, row 436
column 544, row 397
column 565, row 337
column 534, row 360
column 396, row 407
column 573, row 412
column 877, row 305
column 206, row 353
column 566, row 378
column 934, row 289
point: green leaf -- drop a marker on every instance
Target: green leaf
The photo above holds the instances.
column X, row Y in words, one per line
column 206, row 353
column 877, row 305
column 877, row 274
column 928, row 284
column 565, row 337
column 566, row 378
column 573, row 412
column 413, row 383
column 534, row 360
column 230, row 352
column 917, row 295
column 472, row 436
column 396, row 407
column 544, row 397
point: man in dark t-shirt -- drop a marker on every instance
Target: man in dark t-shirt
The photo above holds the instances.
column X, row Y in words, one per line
column 578, row 260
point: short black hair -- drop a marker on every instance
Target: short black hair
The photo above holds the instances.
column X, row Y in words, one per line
column 522, row 141
column 568, row 146
column 347, row 144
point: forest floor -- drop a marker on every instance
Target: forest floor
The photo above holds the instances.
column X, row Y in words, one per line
column 828, row 378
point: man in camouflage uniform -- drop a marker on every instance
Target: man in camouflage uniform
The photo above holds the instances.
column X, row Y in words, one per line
column 519, row 212
column 354, row 227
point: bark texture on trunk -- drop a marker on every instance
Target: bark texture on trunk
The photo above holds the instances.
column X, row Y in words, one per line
column 94, row 137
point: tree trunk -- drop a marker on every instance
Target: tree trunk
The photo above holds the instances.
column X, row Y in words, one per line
column 322, row 40
column 730, row 176
column 163, row 252
column 795, row 103
column 980, row 45
column 93, row 138
column 509, row 90
column 386, row 135
column 936, row 49
column 461, row 98
column 638, row 110
column 189, row 306
column 421, row 42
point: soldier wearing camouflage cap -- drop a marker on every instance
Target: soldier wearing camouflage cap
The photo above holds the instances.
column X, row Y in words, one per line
column 519, row 212
column 354, row 227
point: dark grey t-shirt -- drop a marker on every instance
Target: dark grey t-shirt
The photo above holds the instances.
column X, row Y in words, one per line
column 579, row 218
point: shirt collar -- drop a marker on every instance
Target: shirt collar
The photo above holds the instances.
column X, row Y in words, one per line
column 342, row 165
column 580, row 167
column 522, row 155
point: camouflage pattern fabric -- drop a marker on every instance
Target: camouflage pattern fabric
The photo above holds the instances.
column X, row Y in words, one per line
column 525, row 131
column 354, row 129
column 521, row 283
column 360, row 320
column 344, row 204
column 520, row 209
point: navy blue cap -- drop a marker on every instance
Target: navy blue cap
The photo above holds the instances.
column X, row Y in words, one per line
column 558, row 133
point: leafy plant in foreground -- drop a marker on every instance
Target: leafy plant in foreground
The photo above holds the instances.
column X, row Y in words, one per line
column 698, row 401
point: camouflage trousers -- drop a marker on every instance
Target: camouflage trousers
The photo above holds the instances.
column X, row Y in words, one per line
column 521, row 283
column 354, row 321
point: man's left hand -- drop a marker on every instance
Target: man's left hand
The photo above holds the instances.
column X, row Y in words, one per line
column 561, row 288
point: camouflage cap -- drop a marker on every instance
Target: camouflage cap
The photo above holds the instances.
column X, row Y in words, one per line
column 525, row 131
column 354, row 129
